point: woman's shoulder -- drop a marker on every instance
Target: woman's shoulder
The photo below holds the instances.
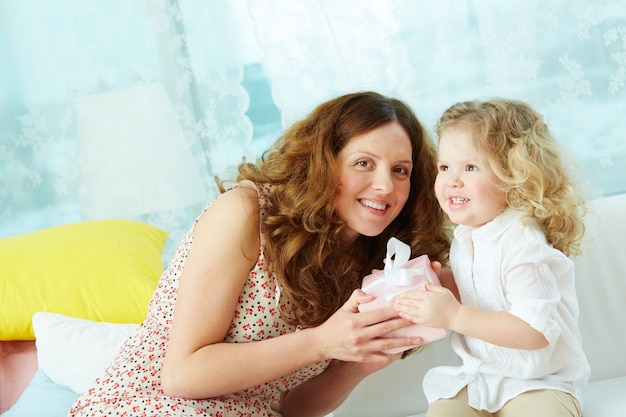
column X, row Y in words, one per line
column 241, row 195
column 256, row 195
column 239, row 205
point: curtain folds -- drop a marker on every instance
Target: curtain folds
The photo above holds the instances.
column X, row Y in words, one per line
column 225, row 76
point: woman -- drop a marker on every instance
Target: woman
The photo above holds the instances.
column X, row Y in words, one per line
column 257, row 314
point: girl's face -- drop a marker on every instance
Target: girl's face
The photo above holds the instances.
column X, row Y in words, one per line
column 375, row 179
column 467, row 189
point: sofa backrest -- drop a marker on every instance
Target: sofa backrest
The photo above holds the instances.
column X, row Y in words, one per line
column 601, row 287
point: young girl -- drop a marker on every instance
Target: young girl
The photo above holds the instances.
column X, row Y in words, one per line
column 503, row 180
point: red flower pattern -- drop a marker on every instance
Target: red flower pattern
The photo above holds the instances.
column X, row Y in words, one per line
column 131, row 384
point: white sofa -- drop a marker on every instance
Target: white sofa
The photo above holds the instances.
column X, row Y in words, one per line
column 601, row 284
column 71, row 351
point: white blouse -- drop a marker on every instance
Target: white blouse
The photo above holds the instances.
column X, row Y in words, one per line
column 508, row 265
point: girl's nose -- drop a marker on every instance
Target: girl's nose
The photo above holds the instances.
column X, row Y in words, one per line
column 454, row 181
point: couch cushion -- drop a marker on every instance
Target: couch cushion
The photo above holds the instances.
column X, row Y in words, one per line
column 43, row 397
column 73, row 351
column 601, row 285
column 103, row 270
column 605, row 398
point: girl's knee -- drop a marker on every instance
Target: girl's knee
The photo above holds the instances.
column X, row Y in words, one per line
column 457, row 406
column 542, row 403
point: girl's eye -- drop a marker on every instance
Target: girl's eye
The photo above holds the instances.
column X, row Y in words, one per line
column 472, row 168
column 443, row 167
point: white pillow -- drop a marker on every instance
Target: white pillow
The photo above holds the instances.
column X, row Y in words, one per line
column 73, row 351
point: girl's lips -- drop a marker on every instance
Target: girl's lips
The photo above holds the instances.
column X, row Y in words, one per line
column 458, row 200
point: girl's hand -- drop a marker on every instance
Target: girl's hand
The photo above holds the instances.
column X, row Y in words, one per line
column 353, row 336
column 446, row 278
column 435, row 307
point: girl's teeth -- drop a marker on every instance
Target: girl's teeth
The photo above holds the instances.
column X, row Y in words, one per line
column 373, row 205
column 458, row 200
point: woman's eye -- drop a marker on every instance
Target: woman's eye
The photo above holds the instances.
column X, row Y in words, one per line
column 363, row 164
column 402, row 170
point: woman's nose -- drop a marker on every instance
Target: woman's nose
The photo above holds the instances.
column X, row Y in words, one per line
column 383, row 181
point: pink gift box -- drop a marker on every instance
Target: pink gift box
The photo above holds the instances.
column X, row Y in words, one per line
column 410, row 275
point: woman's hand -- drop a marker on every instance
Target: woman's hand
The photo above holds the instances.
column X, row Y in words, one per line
column 353, row 336
column 353, row 340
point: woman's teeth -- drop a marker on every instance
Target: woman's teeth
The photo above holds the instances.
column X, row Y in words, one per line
column 373, row 205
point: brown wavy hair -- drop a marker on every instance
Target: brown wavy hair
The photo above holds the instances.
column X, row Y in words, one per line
column 538, row 176
column 315, row 269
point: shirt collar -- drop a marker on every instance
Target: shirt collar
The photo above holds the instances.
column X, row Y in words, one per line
column 491, row 230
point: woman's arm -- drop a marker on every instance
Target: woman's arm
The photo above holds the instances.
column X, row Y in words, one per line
column 321, row 395
column 324, row 393
column 199, row 364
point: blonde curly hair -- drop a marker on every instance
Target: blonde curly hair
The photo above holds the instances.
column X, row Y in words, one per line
column 315, row 269
column 538, row 177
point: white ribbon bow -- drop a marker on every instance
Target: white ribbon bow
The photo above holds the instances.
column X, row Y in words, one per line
column 395, row 276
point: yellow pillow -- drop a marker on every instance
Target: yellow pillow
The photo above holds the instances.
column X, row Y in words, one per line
column 104, row 270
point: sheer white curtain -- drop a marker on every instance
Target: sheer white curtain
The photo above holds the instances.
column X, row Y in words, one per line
column 117, row 109
column 227, row 75
column 567, row 58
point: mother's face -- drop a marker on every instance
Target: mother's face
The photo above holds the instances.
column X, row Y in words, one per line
column 375, row 179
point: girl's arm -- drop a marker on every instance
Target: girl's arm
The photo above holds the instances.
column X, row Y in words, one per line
column 438, row 307
column 199, row 364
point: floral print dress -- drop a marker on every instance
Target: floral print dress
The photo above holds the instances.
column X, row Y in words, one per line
column 130, row 386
